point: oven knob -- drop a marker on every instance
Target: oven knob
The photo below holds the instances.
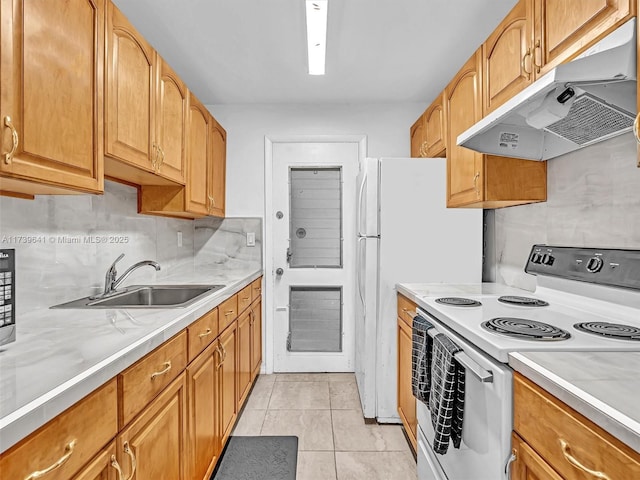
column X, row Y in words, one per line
column 594, row 264
column 547, row 259
column 536, row 258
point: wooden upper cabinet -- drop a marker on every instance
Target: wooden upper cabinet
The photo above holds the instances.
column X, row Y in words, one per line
column 217, row 170
column 51, row 96
column 435, row 128
column 508, row 56
column 464, row 108
column 130, row 96
column 171, row 120
column 475, row 179
column 198, row 153
column 416, row 136
column 565, row 28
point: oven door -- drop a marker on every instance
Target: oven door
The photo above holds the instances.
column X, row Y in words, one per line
column 488, row 419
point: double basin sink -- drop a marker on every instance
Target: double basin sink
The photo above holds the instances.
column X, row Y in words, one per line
column 146, row 296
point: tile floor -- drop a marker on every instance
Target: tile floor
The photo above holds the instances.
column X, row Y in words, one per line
column 323, row 411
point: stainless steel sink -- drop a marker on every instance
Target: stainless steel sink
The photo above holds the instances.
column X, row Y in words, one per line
column 146, row 296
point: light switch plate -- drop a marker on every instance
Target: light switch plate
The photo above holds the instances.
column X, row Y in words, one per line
column 251, row 239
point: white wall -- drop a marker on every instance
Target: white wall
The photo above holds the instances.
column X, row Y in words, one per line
column 386, row 127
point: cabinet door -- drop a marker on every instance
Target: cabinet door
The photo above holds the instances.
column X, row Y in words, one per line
column 217, row 170
column 171, row 117
column 51, row 85
column 227, row 376
column 564, row 28
column 156, row 441
column 202, row 377
column 435, row 129
column 197, row 157
column 528, row 464
column 244, row 357
column 130, row 92
column 256, row 339
column 103, row 467
column 464, row 108
column 406, row 400
column 508, row 56
column 417, row 138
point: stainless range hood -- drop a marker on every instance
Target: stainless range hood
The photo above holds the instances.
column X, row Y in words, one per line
column 577, row 104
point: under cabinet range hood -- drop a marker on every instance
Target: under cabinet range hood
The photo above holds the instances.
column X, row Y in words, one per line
column 577, row 104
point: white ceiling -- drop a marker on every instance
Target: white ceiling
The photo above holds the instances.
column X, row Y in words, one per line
column 254, row 51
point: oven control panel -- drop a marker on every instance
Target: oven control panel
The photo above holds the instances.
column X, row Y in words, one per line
column 604, row 266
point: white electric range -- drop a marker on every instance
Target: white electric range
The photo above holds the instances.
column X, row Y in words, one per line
column 581, row 295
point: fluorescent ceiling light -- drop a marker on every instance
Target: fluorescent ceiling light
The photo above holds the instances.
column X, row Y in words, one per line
column 316, row 35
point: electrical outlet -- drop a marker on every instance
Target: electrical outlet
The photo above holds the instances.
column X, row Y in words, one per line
column 251, row 239
column 179, row 239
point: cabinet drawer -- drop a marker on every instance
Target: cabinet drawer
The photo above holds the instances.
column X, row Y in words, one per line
column 406, row 309
column 256, row 289
column 140, row 383
column 228, row 311
column 76, row 435
column 202, row 332
column 563, row 437
column 244, row 298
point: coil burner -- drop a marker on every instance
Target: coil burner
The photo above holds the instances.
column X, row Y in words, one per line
column 458, row 302
column 522, row 301
column 525, row 329
column 610, row 330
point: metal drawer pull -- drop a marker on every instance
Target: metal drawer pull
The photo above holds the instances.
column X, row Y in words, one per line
column 512, row 458
column 14, row 144
column 206, row 333
column 134, row 462
column 635, row 128
column 566, row 448
column 167, row 367
column 227, row 313
column 61, row 461
column 220, row 357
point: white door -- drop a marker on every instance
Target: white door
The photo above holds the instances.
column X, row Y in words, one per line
column 313, row 255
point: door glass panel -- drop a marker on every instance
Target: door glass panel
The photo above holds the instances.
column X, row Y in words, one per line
column 315, row 319
column 315, row 229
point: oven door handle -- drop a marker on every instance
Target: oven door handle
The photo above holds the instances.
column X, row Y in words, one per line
column 485, row 376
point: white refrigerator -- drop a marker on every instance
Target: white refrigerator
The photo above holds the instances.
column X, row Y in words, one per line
column 405, row 234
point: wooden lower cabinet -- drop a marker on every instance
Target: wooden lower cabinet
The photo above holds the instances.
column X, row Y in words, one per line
column 155, row 445
column 406, row 400
column 244, row 357
column 203, row 392
column 103, row 467
column 256, row 339
column 553, row 441
column 228, row 380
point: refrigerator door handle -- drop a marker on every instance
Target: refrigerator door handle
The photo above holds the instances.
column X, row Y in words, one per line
column 363, row 184
column 361, row 268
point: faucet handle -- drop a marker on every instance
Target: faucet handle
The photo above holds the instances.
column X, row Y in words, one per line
column 113, row 265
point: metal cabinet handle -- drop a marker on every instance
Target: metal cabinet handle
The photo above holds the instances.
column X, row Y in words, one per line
column 475, row 183
column 566, row 451
column 154, row 156
column 512, row 458
column 132, row 457
column 116, row 466
column 14, row 140
column 217, row 349
column 206, row 333
column 68, row 449
column 635, row 128
column 167, row 367
column 524, row 63
column 535, row 63
column 161, row 162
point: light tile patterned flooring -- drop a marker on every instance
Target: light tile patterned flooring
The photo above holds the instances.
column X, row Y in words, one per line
column 323, row 411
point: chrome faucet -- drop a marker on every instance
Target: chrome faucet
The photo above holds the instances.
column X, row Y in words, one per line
column 111, row 281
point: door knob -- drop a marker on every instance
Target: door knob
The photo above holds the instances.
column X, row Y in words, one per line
column 279, row 271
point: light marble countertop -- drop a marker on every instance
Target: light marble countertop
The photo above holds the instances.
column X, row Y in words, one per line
column 60, row 356
column 602, row 386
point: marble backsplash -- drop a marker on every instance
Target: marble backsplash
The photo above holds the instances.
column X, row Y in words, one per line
column 593, row 200
column 64, row 244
